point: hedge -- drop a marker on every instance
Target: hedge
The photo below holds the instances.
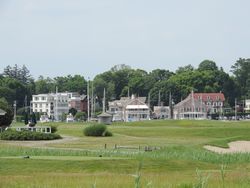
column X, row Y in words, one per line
column 27, row 135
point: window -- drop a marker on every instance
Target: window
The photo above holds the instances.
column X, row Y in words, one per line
column 40, row 105
column 36, row 98
column 35, row 105
column 43, row 98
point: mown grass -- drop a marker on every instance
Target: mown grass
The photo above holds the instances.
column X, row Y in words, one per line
column 85, row 162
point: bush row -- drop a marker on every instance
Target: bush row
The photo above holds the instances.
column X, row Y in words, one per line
column 27, row 135
column 97, row 130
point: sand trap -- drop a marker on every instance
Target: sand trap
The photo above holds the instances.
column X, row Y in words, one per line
column 234, row 147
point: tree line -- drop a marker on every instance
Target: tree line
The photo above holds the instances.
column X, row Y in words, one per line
column 17, row 84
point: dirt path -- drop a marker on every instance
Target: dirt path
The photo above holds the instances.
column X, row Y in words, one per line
column 43, row 144
column 234, row 147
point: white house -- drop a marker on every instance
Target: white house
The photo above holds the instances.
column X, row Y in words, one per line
column 247, row 105
column 129, row 109
column 199, row 106
column 52, row 104
column 162, row 112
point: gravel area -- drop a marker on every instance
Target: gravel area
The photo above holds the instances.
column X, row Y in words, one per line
column 42, row 143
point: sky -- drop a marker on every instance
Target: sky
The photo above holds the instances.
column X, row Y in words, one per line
column 60, row 37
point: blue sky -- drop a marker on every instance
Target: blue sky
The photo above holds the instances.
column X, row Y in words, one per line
column 61, row 37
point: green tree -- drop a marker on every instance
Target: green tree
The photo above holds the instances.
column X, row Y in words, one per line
column 44, row 85
column 187, row 68
column 70, row 83
column 120, row 67
column 101, row 81
column 26, row 118
column 33, row 119
column 21, row 74
column 73, row 111
column 7, row 93
column 207, row 65
column 137, row 82
column 241, row 71
column 81, row 116
column 17, row 90
column 5, row 120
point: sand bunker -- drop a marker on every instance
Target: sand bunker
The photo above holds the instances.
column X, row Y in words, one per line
column 234, row 147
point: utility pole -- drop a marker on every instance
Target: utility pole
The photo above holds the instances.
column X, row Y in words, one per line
column 56, row 107
column 149, row 105
column 235, row 111
column 104, row 99
column 170, row 105
column 25, row 103
column 159, row 98
column 149, row 100
column 88, row 99
column 94, row 104
column 14, row 105
column 193, row 105
column 92, row 100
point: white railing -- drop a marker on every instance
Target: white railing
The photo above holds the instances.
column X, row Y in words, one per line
column 42, row 129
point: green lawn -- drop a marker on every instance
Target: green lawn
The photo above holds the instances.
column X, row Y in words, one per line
column 178, row 161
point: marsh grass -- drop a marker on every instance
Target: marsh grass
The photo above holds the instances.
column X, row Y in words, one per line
column 78, row 164
column 223, row 174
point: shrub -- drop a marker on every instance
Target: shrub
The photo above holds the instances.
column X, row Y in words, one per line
column 81, row 116
column 27, row 135
column 19, row 118
column 97, row 130
column 108, row 133
column 53, row 128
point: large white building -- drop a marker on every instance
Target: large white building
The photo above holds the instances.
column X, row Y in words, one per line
column 247, row 105
column 129, row 109
column 52, row 104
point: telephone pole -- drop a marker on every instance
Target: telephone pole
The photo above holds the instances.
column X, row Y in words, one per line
column 88, row 99
column 14, row 105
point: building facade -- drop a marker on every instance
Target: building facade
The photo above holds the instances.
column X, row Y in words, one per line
column 161, row 112
column 129, row 109
column 199, row 106
column 80, row 103
column 53, row 104
column 247, row 105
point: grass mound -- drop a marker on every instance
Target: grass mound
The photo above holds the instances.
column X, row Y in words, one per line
column 97, row 130
column 27, row 135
